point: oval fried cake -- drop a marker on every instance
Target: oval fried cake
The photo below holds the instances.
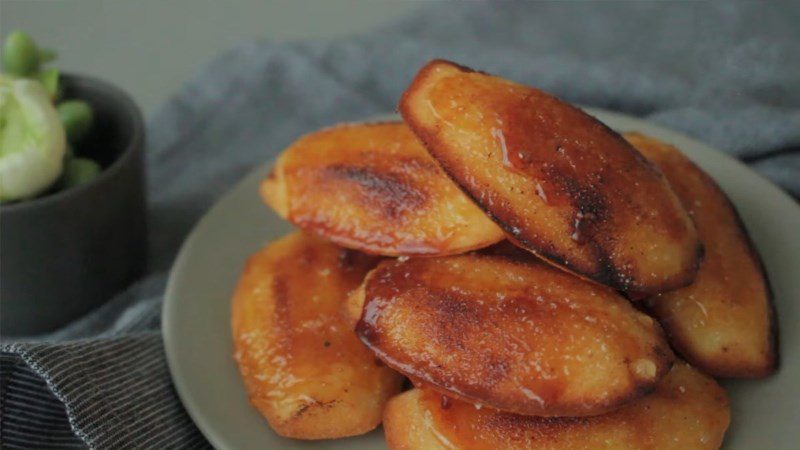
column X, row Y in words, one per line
column 304, row 368
column 724, row 322
column 558, row 181
column 687, row 410
column 519, row 336
column 374, row 188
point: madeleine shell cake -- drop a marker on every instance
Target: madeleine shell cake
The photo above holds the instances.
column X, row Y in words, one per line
column 559, row 182
column 724, row 322
column 687, row 410
column 374, row 188
column 303, row 367
column 519, row 336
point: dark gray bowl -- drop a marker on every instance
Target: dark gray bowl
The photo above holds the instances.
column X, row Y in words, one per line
column 66, row 252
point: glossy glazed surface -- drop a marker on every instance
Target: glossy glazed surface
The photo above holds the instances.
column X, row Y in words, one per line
column 520, row 336
column 687, row 410
column 724, row 322
column 374, row 188
column 560, row 183
column 198, row 341
column 303, row 367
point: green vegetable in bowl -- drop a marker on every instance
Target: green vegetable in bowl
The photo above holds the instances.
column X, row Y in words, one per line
column 77, row 117
column 78, row 171
column 22, row 57
column 50, row 79
column 35, row 135
column 32, row 139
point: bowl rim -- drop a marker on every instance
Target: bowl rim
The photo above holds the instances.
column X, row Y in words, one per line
column 127, row 104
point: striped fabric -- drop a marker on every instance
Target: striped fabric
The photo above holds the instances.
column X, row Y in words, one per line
column 103, row 382
column 108, row 392
column 29, row 407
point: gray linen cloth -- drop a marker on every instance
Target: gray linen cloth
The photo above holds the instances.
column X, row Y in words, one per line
column 726, row 73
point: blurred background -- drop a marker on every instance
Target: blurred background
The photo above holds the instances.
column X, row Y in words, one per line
column 152, row 46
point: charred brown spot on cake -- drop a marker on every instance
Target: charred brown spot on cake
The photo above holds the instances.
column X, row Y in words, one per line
column 393, row 196
column 451, row 317
column 315, row 404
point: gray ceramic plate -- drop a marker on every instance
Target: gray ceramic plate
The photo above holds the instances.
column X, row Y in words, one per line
column 197, row 311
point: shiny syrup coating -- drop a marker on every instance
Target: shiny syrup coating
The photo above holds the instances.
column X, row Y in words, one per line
column 304, row 368
column 724, row 322
column 374, row 188
column 687, row 410
column 559, row 182
column 520, row 336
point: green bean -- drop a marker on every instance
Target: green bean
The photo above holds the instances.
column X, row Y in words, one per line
column 78, row 171
column 77, row 117
column 20, row 55
column 50, row 79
